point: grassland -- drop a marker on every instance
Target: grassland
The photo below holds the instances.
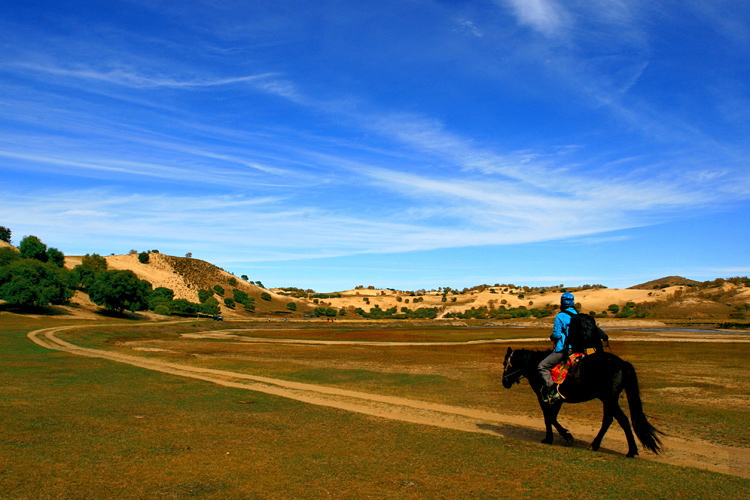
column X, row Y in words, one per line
column 77, row 427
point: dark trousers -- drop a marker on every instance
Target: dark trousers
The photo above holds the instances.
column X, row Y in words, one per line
column 547, row 364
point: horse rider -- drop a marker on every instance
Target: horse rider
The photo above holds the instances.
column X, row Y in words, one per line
column 550, row 392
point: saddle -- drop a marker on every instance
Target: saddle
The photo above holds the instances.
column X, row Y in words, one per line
column 560, row 371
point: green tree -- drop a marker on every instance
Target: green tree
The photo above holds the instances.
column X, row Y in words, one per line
column 291, row 306
column 229, row 303
column 219, row 289
column 614, row 308
column 32, row 248
column 265, row 296
column 211, row 306
column 162, row 310
column 240, row 296
column 160, row 296
column 232, row 281
column 4, row 234
column 204, row 295
column 56, row 257
column 184, row 307
column 83, row 274
column 118, row 290
column 143, row 257
column 8, row 255
column 244, row 277
column 31, row 283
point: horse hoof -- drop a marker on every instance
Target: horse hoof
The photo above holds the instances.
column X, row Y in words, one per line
column 632, row 454
column 593, row 447
column 569, row 440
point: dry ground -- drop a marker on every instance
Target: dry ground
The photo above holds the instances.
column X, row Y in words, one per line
column 680, row 451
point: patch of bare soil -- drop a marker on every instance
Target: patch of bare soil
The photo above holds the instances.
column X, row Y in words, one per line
column 678, row 451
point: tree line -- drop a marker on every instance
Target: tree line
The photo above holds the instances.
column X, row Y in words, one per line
column 34, row 276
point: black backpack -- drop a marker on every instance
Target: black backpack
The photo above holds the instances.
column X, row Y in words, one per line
column 583, row 333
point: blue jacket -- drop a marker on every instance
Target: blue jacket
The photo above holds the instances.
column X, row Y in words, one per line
column 560, row 330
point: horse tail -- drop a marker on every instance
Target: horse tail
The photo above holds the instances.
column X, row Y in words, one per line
column 647, row 433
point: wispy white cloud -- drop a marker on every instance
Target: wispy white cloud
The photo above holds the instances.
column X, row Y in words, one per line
column 545, row 16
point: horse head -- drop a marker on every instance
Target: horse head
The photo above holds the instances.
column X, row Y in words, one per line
column 511, row 374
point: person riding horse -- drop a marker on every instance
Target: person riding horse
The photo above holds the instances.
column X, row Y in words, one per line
column 559, row 336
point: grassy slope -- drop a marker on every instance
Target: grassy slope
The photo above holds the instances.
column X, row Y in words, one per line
column 86, row 428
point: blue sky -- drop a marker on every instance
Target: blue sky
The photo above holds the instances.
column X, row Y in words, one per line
column 409, row 144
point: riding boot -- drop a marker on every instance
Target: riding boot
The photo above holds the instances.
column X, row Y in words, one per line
column 552, row 394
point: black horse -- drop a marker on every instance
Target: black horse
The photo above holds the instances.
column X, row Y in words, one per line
column 599, row 376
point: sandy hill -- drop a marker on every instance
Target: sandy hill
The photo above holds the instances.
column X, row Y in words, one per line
column 665, row 282
column 185, row 276
column 673, row 297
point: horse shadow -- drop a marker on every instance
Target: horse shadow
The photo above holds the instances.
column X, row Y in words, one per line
column 529, row 435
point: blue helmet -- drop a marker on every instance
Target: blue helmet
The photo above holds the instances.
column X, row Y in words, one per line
column 567, row 300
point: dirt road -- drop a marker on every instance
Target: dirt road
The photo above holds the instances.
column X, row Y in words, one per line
column 684, row 452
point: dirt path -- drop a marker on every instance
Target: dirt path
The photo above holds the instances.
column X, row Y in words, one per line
column 692, row 453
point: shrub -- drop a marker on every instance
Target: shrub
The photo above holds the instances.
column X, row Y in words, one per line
column 83, row 274
column 4, row 234
column 204, row 295
column 240, row 296
column 209, row 308
column 291, row 306
column 219, row 290
column 265, row 296
column 232, row 281
column 29, row 282
column 119, row 290
column 614, row 308
column 184, row 307
column 229, row 303
column 8, row 255
column 162, row 310
column 143, row 257
column 32, row 248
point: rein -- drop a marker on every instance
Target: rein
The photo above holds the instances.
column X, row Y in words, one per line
column 508, row 375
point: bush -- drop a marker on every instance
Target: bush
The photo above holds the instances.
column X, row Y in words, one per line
column 204, row 295
column 184, row 307
column 240, row 296
column 29, row 282
column 143, row 257
column 119, row 290
column 32, row 248
column 265, row 296
column 8, row 255
column 162, row 310
column 219, row 290
column 160, row 296
column 232, row 281
column 4, row 234
column 56, row 257
column 614, row 308
column 291, row 306
column 210, row 307
column 83, row 274
column 229, row 303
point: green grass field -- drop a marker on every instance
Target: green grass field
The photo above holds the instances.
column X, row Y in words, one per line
column 76, row 427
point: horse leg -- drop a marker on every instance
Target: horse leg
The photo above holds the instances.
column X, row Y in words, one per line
column 549, row 419
column 606, row 422
column 566, row 435
column 622, row 419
